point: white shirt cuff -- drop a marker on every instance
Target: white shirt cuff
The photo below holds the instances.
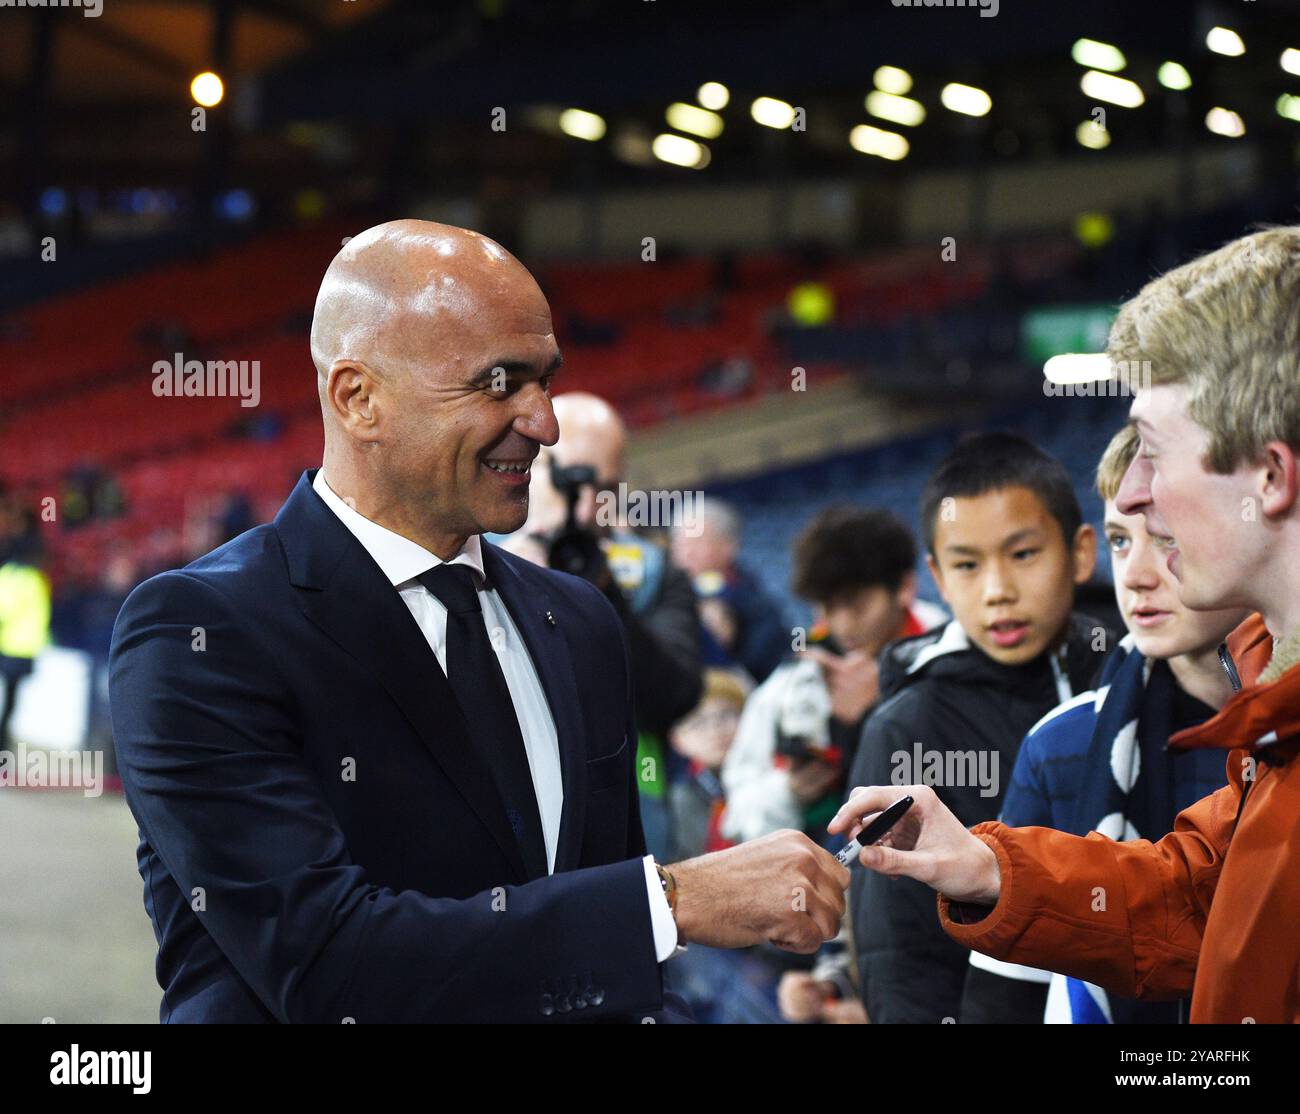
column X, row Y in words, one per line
column 661, row 914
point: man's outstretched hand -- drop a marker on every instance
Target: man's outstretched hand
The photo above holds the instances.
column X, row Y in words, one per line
column 929, row 844
column 780, row 888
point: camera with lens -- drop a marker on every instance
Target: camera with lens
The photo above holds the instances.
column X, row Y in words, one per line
column 802, row 731
column 574, row 549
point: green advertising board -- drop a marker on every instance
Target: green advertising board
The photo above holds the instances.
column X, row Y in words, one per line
column 1053, row 330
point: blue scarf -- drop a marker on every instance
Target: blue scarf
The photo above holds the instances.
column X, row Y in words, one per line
column 1127, row 791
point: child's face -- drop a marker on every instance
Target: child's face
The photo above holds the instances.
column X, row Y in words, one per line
column 1004, row 568
column 867, row 618
column 705, row 735
column 1147, row 594
column 1210, row 526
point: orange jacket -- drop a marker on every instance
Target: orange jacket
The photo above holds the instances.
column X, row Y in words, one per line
column 1212, row 909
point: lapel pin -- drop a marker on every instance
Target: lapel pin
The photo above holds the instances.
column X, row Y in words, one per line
column 550, row 618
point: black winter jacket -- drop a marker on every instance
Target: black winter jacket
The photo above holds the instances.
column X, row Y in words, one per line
column 953, row 718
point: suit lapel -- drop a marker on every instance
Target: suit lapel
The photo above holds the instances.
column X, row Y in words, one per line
column 548, row 647
column 344, row 593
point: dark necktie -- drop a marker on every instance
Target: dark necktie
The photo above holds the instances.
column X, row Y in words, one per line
column 475, row 674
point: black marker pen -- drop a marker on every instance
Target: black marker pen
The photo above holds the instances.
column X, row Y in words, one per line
column 875, row 830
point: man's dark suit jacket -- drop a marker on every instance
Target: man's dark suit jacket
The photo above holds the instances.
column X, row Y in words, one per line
column 318, row 841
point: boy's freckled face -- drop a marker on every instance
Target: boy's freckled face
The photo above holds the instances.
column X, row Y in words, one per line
column 1002, row 564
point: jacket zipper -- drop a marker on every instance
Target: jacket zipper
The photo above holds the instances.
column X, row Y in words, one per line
column 1234, row 678
column 1229, row 667
column 1061, row 674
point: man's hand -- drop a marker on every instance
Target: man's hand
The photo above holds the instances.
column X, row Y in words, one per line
column 845, row 1011
column 801, row 998
column 853, row 681
column 929, row 844
column 781, row 888
column 812, row 779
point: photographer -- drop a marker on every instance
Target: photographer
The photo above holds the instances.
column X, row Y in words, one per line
column 652, row 596
column 24, row 607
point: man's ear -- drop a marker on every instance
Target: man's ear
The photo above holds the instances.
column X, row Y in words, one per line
column 1279, row 486
column 1084, row 553
column 937, row 573
column 350, row 396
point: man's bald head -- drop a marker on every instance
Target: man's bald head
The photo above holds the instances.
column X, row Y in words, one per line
column 396, row 284
column 434, row 351
column 591, row 432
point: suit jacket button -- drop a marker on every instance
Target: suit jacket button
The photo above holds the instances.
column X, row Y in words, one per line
column 591, row 995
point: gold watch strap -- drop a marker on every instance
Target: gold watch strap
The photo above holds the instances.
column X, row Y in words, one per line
column 669, row 884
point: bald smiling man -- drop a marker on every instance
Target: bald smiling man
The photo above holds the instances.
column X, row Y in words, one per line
column 383, row 770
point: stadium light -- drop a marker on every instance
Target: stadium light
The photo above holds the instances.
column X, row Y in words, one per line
column 772, row 113
column 1223, row 40
column 680, row 151
column 1098, row 56
column 1093, row 230
column 697, row 121
column 1223, row 121
column 965, row 99
column 1173, row 76
column 890, row 79
column 878, row 142
column 899, row 110
column 1092, row 135
column 581, row 124
column 811, row 304
column 1291, row 60
column 1078, row 367
column 713, row 95
column 207, row 89
column 1111, row 89
column 1288, row 106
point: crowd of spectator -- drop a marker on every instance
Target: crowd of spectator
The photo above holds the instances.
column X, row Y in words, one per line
column 750, row 723
column 1012, row 702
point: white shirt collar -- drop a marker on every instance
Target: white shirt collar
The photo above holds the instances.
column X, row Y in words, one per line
column 399, row 558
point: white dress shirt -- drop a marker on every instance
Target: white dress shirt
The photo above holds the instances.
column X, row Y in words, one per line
column 402, row 561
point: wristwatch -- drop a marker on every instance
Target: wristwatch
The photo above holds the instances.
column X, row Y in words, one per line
column 669, row 884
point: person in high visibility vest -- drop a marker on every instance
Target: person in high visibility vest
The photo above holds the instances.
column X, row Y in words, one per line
column 24, row 611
